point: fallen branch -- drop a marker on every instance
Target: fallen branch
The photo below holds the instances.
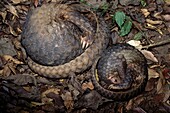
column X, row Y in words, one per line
column 157, row 44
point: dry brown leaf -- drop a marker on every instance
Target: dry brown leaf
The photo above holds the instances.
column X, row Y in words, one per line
column 12, row 67
column 130, row 104
column 157, row 98
column 150, row 26
column 1, row 72
column 139, row 110
column 135, row 43
column 151, row 84
column 163, row 88
column 12, row 31
column 87, row 85
column 154, row 22
column 166, row 17
column 10, row 58
column 53, row 90
column 166, row 91
column 9, row 68
column 152, row 73
column 12, row 10
column 68, row 100
column 145, row 12
column 17, row 1
column 34, row 104
column 159, row 31
column 160, row 85
column 3, row 14
column 134, row 102
column 27, row 88
column 6, row 71
column 46, row 100
column 22, row 79
column 167, row 1
column 157, row 15
column 149, row 55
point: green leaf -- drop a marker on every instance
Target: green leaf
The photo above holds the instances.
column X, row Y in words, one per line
column 138, row 36
column 143, row 3
column 126, row 28
column 104, row 7
column 120, row 18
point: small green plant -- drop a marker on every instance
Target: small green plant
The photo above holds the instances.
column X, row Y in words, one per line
column 82, row 1
column 143, row 3
column 104, row 8
column 138, row 36
column 124, row 22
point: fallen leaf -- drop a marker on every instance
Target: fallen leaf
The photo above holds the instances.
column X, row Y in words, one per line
column 68, row 100
column 34, row 104
column 23, row 79
column 134, row 102
column 166, row 91
column 6, row 47
column 150, row 26
column 1, row 72
column 87, row 85
column 75, row 91
column 46, row 100
column 6, row 71
column 159, row 31
column 154, row 22
column 149, row 55
column 167, row 1
column 17, row 1
column 163, row 88
column 139, row 110
column 12, row 10
column 152, row 73
column 2, row 62
column 135, row 43
column 53, row 90
column 166, row 17
column 158, row 98
column 10, row 58
column 3, row 14
column 90, row 100
column 158, row 15
column 160, row 85
column 151, row 84
column 12, row 31
column 145, row 12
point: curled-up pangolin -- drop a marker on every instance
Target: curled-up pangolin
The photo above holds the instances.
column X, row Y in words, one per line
column 63, row 38
column 122, row 72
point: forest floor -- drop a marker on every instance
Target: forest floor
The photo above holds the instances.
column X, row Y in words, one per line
column 22, row 91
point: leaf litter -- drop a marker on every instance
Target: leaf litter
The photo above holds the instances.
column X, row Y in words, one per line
column 149, row 33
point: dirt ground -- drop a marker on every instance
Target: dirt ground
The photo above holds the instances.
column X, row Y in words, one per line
column 22, row 91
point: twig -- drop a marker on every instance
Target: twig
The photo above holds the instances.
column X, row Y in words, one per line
column 157, row 44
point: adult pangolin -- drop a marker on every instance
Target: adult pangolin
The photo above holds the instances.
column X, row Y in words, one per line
column 63, row 38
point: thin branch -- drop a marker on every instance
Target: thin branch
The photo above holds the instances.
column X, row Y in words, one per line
column 157, row 44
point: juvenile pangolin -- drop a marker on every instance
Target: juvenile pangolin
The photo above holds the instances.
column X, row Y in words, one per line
column 63, row 38
column 122, row 72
